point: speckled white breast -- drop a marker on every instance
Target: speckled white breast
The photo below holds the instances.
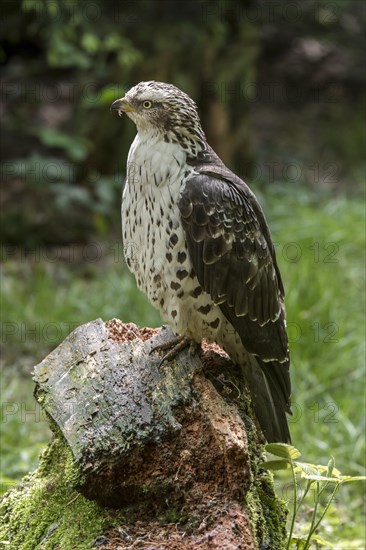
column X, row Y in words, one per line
column 154, row 241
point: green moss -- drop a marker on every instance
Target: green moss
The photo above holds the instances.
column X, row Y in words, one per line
column 46, row 512
column 267, row 513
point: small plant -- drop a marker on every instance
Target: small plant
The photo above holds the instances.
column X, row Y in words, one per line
column 318, row 478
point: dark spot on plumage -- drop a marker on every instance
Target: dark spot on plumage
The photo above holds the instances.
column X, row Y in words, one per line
column 158, row 222
column 205, row 309
column 196, row 292
column 174, row 313
column 161, row 302
column 173, row 239
column 182, row 274
column 176, row 135
column 161, row 212
column 169, row 257
column 174, row 285
column 180, row 294
column 215, row 323
column 170, row 223
column 181, row 256
column 192, row 274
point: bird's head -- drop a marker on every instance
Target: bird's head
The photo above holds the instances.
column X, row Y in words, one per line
column 163, row 110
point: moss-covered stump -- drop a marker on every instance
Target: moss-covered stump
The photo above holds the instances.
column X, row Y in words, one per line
column 143, row 456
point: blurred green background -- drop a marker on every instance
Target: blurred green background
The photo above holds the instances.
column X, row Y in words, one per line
column 280, row 90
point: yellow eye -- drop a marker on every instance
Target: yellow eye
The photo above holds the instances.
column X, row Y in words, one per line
column 147, row 104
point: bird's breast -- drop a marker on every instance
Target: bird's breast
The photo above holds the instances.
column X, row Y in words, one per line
column 154, row 163
column 150, row 216
column 155, row 246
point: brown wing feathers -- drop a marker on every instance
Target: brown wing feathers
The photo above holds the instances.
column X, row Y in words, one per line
column 234, row 260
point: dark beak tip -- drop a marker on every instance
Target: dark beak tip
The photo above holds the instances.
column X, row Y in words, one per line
column 115, row 105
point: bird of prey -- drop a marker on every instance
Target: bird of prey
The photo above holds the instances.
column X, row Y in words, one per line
column 202, row 250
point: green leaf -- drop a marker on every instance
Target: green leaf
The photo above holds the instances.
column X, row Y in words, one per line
column 77, row 148
column 63, row 52
column 322, row 541
column 306, row 468
column 301, row 540
column 113, row 41
column 330, row 467
column 346, row 479
column 324, row 469
column 127, row 58
column 322, row 478
column 283, row 450
column 275, row 465
column 90, row 42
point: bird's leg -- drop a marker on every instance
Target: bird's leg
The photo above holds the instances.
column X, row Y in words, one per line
column 175, row 345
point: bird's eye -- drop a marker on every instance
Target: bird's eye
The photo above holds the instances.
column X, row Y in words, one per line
column 147, row 104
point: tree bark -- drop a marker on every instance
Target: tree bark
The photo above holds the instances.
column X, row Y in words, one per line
column 169, row 453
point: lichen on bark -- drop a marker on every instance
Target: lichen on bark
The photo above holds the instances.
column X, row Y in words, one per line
column 166, row 454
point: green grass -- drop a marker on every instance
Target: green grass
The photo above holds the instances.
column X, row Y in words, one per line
column 320, row 246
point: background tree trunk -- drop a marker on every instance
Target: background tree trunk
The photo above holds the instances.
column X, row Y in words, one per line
column 144, row 456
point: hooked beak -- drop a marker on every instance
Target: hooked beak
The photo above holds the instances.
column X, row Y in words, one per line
column 122, row 105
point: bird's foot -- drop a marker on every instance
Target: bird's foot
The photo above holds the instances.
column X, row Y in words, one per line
column 175, row 345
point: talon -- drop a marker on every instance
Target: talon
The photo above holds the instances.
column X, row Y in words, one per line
column 175, row 345
column 167, row 345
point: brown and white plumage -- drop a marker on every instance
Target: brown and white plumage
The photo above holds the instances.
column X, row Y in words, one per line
column 202, row 250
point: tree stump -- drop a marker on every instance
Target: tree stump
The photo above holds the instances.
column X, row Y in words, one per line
column 167, row 455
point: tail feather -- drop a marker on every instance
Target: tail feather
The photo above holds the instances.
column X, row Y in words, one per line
column 269, row 403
